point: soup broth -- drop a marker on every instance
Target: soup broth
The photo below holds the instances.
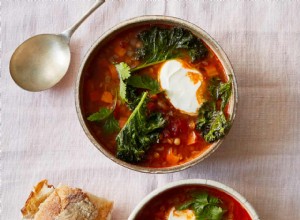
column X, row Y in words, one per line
column 179, row 140
column 159, row 207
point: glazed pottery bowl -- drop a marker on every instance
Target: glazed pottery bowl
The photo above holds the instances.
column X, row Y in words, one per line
column 208, row 184
column 138, row 21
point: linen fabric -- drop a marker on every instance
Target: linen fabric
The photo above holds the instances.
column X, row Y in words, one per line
column 260, row 158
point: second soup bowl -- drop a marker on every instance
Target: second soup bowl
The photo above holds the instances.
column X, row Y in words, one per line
column 186, row 199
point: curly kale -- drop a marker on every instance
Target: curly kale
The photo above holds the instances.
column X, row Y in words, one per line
column 133, row 97
column 212, row 122
column 161, row 44
column 139, row 132
column 220, row 90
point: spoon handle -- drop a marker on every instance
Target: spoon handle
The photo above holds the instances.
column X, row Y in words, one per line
column 69, row 32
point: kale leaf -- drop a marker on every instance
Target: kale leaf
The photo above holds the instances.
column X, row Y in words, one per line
column 133, row 97
column 203, row 112
column 211, row 123
column 220, row 90
column 205, row 206
column 107, row 119
column 139, row 132
column 161, row 44
column 144, row 82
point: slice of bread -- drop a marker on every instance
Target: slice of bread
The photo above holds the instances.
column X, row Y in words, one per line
column 39, row 194
column 64, row 203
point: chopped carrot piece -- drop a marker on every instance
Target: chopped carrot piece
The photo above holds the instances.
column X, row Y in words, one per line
column 95, row 96
column 172, row 158
column 191, row 138
column 122, row 122
column 113, row 71
column 107, row 97
column 119, row 51
column 211, row 71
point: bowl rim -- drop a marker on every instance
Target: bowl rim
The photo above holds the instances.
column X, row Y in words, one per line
column 157, row 19
column 201, row 182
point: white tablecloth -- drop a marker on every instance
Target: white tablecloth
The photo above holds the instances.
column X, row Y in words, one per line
column 42, row 138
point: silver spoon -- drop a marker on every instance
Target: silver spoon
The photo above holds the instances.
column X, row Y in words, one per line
column 41, row 61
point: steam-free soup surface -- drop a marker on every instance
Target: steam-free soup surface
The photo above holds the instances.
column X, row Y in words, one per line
column 176, row 139
column 210, row 203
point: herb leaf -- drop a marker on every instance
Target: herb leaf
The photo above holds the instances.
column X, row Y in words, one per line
column 220, row 90
column 186, row 205
column 212, row 213
column 102, row 114
column 105, row 116
column 124, row 73
column 139, row 132
column 144, row 82
column 205, row 206
column 161, row 44
column 111, row 125
column 129, row 83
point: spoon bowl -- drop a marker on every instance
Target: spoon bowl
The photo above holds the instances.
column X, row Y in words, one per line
column 40, row 62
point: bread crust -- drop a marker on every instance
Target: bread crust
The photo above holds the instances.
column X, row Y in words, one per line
column 65, row 203
column 103, row 206
column 37, row 196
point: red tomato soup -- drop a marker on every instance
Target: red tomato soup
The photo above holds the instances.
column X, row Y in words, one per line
column 176, row 141
column 167, row 205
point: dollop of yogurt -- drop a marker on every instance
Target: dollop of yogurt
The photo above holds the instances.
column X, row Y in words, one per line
column 181, row 214
column 182, row 85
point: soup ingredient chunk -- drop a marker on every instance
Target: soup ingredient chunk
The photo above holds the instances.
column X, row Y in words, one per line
column 181, row 85
column 139, row 132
